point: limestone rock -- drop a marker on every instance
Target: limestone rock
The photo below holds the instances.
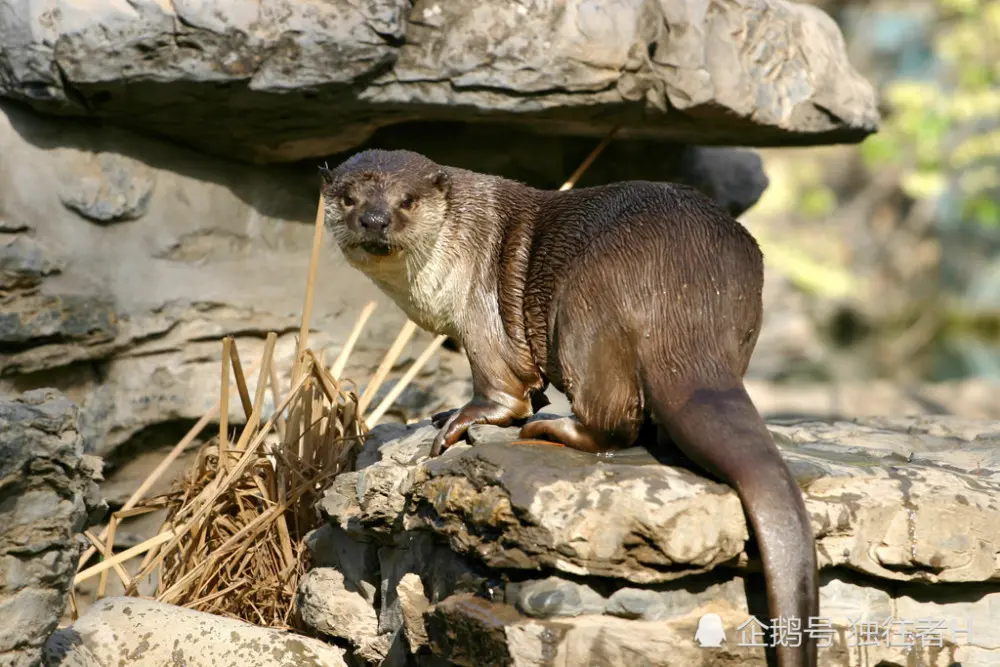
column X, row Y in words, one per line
column 378, row 633
column 24, row 263
column 467, row 630
column 470, row 631
column 412, row 570
column 355, row 560
column 753, row 72
column 635, row 603
column 104, row 187
column 147, row 302
column 413, row 604
column 904, row 511
column 476, row 497
column 118, row 631
column 326, row 604
column 686, row 525
column 555, row 597
column 48, row 495
column 37, row 329
column 734, row 179
column 455, row 620
column 441, row 571
column 904, row 499
column 8, row 226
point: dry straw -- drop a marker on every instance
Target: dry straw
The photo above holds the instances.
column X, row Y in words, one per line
column 232, row 541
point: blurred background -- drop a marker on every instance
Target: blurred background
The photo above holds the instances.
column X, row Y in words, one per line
column 892, row 244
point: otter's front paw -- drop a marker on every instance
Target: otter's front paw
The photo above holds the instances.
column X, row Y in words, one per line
column 476, row 411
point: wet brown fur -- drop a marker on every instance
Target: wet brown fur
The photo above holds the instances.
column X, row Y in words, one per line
column 640, row 301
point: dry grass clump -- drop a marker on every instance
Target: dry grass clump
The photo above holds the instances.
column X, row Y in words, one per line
column 238, row 520
column 232, row 541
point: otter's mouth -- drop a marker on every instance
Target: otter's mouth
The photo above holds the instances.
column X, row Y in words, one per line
column 376, row 246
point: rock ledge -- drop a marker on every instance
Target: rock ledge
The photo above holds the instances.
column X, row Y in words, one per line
column 284, row 80
column 507, row 554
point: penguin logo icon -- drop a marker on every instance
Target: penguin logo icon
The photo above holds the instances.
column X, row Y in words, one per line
column 710, row 633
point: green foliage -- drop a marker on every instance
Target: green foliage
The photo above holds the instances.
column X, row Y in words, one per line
column 985, row 210
column 945, row 133
column 817, row 201
column 812, row 275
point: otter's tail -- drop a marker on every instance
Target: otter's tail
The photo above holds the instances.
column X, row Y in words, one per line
column 720, row 430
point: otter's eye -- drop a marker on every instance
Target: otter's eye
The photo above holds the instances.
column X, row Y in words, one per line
column 347, row 200
column 406, row 204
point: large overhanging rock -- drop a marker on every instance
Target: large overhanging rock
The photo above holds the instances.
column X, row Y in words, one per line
column 287, row 80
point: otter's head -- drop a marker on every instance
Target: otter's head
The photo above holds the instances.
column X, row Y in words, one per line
column 382, row 205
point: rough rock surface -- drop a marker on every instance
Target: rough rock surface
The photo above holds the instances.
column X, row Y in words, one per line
column 285, row 80
column 106, row 187
column 24, row 263
column 896, row 499
column 327, row 605
column 48, row 495
column 539, row 555
column 127, row 631
column 414, row 605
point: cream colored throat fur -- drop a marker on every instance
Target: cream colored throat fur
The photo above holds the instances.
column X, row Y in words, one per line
column 430, row 285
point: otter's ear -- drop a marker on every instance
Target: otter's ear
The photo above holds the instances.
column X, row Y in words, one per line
column 326, row 174
column 441, row 180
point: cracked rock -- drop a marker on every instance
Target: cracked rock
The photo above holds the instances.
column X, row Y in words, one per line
column 48, row 496
column 124, row 630
column 24, row 263
column 563, row 558
column 327, row 605
column 895, row 499
column 554, row 597
column 104, row 187
column 413, row 604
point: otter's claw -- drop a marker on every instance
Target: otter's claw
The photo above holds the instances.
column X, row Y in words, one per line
column 439, row 419
column 450, row 433
column 476, row 411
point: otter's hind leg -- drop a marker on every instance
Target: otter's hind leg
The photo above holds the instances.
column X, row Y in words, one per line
column 593, row 428
column 603, row 394
column 567, row 431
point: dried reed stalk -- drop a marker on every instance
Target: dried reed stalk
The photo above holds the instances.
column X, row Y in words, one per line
column 153, row 477
column 405, row 334
column 589, row 160
column 394, row 393
column 232, row 540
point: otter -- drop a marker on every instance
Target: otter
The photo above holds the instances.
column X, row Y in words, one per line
column 640, row 301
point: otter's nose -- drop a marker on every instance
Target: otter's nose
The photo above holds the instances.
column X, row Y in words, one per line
column 374, row 220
